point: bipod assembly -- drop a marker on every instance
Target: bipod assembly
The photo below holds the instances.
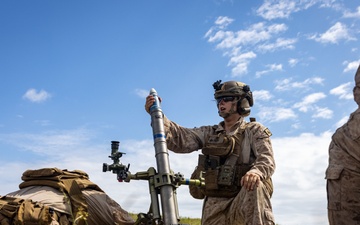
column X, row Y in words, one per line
column 155, row 182
column 162, row 181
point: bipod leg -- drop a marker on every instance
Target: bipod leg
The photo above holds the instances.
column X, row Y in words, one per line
column 153, row 216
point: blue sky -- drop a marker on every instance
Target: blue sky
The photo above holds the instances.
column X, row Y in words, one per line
column 74, row 76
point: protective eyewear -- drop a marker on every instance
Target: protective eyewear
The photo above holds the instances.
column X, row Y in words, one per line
column 225, row 99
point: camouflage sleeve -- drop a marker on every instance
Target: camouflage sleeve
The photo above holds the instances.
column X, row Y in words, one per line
column 352, row 128
column 264, row 164
column 184, row 140
column 344, row 147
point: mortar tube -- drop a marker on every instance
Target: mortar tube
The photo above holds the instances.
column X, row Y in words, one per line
column 167, row 193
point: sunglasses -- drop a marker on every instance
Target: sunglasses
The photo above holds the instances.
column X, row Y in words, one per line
column 225, row 99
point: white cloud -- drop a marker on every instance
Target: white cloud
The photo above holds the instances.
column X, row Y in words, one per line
column 36, row 96
column 283, row 8
column 262, row 95
column 337, row 32
column 234, row 44
column 223, row 21
column 272, row 67
column 61, row 143
column 355, row 14
column 324, row 113
column 351, row 66
column 301, row 162
column 240, row 63
column 254, row 34
column 142, row 93
column 308, row 81
column 292, row 62
column 283, row 85
column 280, row 43
column 344, row 91
column 275, row 114
column 286, row 84
column 308, row 101
column 220, row 23
column 220, row 35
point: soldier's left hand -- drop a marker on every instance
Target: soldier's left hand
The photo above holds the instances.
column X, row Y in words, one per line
column 250, row 181
column 149, row 102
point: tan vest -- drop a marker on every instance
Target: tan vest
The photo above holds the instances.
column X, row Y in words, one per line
column 225, row 159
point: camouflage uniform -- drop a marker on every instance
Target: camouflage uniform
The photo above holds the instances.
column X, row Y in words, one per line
column 343, row 172
column 248, row 207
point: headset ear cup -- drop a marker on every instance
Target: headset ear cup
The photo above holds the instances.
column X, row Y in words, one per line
column 245, row 111
column 249, row 97
column 244, row 107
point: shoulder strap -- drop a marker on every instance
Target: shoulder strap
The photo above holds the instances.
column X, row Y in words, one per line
column 246, row 145
column 235, row 153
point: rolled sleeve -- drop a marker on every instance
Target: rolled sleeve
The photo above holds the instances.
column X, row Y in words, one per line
column 183, row 140
column 264, row 164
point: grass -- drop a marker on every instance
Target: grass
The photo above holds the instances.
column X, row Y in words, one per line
column 190, row 221
column 183, row 220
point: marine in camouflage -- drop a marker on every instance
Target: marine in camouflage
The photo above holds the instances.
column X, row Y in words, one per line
column 247, row 207
column 238, row 184
column 343, row 172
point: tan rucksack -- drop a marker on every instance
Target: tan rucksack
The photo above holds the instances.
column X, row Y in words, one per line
column 82, row 202
column 71, row 183
column 19, row 211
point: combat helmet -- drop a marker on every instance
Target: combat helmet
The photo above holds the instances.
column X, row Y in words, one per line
column 237, row 89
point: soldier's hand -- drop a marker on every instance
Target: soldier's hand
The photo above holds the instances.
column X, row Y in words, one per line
column 149, row 102
column 250, row 181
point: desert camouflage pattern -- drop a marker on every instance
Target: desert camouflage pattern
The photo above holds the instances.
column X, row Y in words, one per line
column 248, row 207
column 343, row 172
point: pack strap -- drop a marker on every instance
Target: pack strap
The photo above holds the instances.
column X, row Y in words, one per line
column 235, row 153
column 9, row 206
column 246, row 146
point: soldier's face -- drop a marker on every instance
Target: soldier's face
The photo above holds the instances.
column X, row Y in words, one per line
column 224, row 104
column 227, row 106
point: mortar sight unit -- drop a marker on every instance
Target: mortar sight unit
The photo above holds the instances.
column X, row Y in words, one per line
column 117, row 168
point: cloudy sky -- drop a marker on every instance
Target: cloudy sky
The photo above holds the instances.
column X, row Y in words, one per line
column 74, row 76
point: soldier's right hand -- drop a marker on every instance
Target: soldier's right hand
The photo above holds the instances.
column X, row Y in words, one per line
column 250, row 181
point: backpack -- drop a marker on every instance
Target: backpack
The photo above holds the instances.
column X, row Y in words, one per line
column 19, row 211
